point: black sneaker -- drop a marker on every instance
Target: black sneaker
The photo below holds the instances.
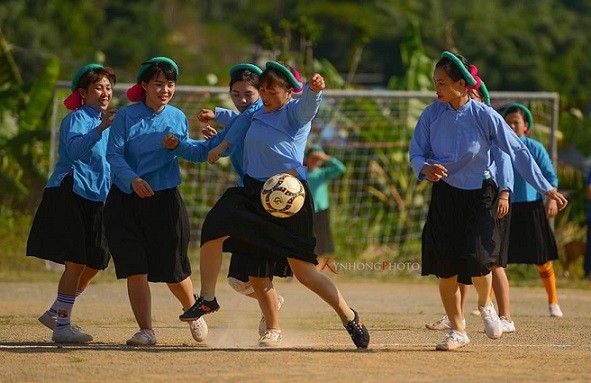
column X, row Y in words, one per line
column 358, row 331
column 199, row 308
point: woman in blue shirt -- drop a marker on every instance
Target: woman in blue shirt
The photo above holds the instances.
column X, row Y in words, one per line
column 248, row 274
column 501, row 171
column 532, row 240
column 145, row 217
column 451, row 148
column 274, row 144
column 68, row 225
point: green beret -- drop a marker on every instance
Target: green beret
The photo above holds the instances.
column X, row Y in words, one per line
column 245, row 66
column 528, row 116
column 285, row 70
column 458, row 63
column 81, row 72
column 154, row 60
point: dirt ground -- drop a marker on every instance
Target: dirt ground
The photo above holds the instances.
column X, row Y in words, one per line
column 315, row 348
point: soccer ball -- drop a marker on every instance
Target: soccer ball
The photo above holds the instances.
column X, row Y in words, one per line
column 283, row 195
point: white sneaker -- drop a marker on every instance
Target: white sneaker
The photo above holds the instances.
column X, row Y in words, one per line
column 271, row 338
column 142, row 338
column 554, row 310
column 492, row 323
column 442, row 324
column 263, row 321
column 199, row 329
column 48, row 320
column 452, row 341
column 475, row 312
column 68, row 334
column 507, row 325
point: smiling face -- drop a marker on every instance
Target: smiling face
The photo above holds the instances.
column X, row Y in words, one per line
column 98, row 95
column 447, row 89
column 243, row 95
column 159, row 91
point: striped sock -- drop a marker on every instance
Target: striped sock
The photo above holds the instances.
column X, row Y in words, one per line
column 53, row 309
column 65, row 303
column 546, row 271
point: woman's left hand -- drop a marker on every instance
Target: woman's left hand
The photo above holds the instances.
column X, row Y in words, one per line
column 317, row 83
column 561, row 200
column 170, row 141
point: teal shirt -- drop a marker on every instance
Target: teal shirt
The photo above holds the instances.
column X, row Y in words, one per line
column 318, row 182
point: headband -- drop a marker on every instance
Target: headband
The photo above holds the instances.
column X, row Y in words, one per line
column 245, row 66
column 528, row 116
column 470, row 74
column 294, row 77
column 484, row 92
column 136, row 92
column 74, row 100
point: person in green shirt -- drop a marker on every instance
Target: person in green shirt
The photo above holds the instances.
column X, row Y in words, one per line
column 322, row 168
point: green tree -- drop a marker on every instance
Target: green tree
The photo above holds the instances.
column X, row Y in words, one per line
column 24, row 131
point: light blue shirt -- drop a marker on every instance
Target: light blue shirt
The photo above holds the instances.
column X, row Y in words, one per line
column 81, row 151
column 461, row 140
column 135, row 146
column 275, row 141
column 501, row 169
column 236, row 128
column 524, row 192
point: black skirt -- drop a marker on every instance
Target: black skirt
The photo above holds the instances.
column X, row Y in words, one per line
column 240, row 215
column 460, row 235
column 148, row 235
column 68, row 227
column 243, row 266
column 323, row 232
column 531, row 239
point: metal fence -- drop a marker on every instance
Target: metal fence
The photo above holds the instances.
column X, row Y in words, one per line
column 377, row 208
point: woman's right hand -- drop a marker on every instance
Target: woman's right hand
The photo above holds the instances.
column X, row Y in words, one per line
column 141, row 188
column 434, row 172
column 206, row 116
column 107, row 119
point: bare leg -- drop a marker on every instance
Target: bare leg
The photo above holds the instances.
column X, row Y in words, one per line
column 500, row 285
column 320, row 284
column 483, row 286
column 464, row 290
column 140, row 299
column 450, row 297
column 210, row 263
column 70, row 278
column 183, row 291
column 267, row 297
column 86, row 277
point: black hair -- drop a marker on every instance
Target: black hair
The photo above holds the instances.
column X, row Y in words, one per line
column 271, row 76
column 246, row 76
column 167, row 69
column 94, row 75
column 451, row 68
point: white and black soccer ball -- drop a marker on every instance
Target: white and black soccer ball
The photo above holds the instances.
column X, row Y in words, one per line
column 283, row 195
